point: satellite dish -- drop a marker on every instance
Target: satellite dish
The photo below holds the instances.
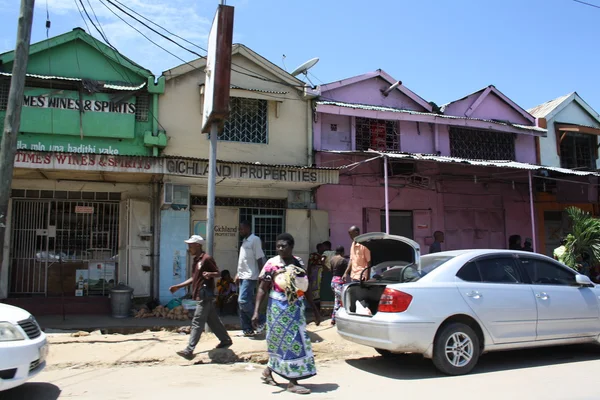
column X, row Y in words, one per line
column 303, row 69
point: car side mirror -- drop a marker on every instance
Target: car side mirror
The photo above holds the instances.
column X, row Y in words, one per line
column 583, row 280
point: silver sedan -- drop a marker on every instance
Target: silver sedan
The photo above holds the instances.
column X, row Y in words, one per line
column 454, row 306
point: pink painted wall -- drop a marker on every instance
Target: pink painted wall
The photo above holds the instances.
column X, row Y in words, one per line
column 369, row 92
column 413, row 139
column 492, row 107
column 525, row 150
column 363, row 188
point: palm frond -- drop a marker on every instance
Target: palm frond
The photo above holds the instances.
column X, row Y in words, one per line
column 584, row 237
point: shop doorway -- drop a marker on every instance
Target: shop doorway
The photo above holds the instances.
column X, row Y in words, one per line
column 267, row 224
column 63, row 246
column 401, row 223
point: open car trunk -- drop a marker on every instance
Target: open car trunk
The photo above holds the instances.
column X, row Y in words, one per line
column 395, row 259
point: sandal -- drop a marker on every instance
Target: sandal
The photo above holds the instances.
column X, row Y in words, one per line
column 297, row 389
column 267, row 378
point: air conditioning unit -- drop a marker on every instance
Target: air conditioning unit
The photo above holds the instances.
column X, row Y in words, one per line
column 300, row 199
column 175, row 196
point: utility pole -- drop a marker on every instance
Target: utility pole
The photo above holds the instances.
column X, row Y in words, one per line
column 12, row 121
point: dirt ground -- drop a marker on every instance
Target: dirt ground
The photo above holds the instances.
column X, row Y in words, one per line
column 67, row 350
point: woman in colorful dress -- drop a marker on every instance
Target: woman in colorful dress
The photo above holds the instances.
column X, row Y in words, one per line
column 284, row 278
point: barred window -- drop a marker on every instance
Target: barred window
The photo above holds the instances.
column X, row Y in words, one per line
column 376, row 134
column 4, row 86
column 481, row 145
column 247, row 121
column 142, row 107
column 578, row 151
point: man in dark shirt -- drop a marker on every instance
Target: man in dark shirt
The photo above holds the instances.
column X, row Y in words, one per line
column 436, row 246
column 339, row 265
column 204, row 272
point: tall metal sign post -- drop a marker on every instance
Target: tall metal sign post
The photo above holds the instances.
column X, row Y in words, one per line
column 216, row 102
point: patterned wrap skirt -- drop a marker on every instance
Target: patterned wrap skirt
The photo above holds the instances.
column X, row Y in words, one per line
column 289, row 347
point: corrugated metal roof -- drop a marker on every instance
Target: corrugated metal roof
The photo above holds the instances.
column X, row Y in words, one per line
column 257, row 90
column 398, row 110
column 463, row 161
column 64, row 78
column 544, row 109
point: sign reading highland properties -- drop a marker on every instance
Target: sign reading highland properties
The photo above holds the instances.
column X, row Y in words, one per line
column 177, row 167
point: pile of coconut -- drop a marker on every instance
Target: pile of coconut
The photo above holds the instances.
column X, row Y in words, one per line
column 178, row 313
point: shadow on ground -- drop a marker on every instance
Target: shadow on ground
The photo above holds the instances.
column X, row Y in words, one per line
column 412, row 366
column 32, row 391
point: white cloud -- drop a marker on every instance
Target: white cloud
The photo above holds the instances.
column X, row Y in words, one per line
column 181, row 17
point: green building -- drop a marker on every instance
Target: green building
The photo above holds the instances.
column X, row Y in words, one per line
column 81, row 214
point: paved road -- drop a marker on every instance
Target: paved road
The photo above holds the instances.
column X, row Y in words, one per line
column 555, row 373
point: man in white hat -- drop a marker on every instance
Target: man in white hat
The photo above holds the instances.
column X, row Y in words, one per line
column 204, row 272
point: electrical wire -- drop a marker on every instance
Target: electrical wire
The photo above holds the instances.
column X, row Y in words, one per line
column 587, row 4
column 125, row 78
column 251, row 73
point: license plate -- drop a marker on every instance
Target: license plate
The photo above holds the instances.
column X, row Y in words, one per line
column 43, row 353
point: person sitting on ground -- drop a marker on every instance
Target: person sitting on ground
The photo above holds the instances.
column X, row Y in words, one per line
column 226, row 293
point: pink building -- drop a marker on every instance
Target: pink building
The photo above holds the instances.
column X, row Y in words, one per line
column 433, row 182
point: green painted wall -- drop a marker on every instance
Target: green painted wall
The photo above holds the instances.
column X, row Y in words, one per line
column 51, row 118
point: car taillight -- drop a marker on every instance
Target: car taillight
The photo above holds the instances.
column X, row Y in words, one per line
column 394, row 301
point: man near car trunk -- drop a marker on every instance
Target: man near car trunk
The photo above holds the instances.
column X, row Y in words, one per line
column 359, row 267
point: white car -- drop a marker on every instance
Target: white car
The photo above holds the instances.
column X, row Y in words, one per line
column 454, row 306
column 23, row 347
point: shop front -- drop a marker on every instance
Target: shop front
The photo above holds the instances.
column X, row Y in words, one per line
column 274, row 199
column 86, row 172
column 79, row 225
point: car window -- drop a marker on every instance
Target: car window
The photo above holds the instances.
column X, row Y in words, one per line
column 430, row 262
column 469, row 273
column 546, row 273
column 499, row 270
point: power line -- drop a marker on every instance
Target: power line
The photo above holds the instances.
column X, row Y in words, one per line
column 147, row 26
column 587, row 4
column 252, row 74
column 161, row 27
column 126, row 79
column 93, row 24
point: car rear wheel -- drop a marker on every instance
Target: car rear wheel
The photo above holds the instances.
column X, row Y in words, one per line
column 456, row 349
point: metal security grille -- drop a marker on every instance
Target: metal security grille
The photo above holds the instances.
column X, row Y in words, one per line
column 481, row 145
column 44, row 232
column 577, row 151
column 267, row 224
column 377, row 134
column 247, row 121
column 241, row 202
column 4, row 86
column 142, row 108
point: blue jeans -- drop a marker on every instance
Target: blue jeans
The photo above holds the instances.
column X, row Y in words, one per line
column 246, row 302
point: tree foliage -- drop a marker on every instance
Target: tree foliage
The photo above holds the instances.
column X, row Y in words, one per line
column 583, row 239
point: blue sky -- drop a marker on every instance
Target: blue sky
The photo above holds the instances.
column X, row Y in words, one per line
column 532, row 50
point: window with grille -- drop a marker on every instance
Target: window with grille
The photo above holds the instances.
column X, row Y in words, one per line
column 267, row 224
column 578, row 151
column 481, row 145
column 4, row 86
column 377, row 134
column 142, row 104
column 247, row 122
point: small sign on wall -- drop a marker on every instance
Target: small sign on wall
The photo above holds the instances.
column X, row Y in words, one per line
column 84, row 210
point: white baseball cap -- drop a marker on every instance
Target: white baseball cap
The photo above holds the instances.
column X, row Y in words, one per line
column 195, row 239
